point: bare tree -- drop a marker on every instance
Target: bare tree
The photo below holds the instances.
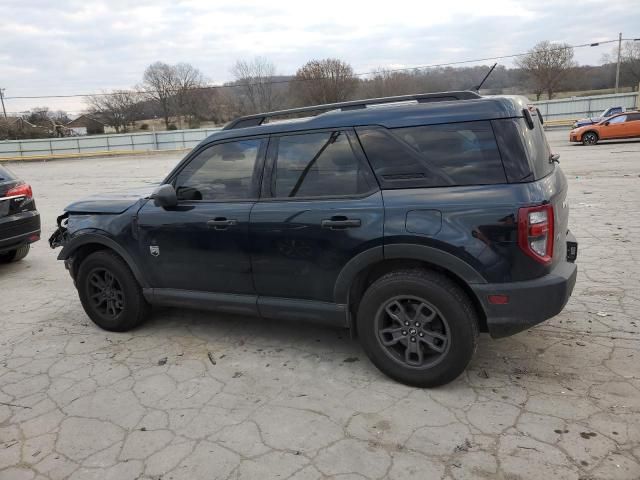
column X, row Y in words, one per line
column 158, row 83
column 119, row 108
column 187, row 90
column 630, row 59
column 385, row 83
column 255, row 78
column 547, row 65
column 324, row 81
column 171, row 86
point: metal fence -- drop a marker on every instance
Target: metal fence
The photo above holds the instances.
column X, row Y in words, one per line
column 95, row 144
column 579, row 107
column 561, row 109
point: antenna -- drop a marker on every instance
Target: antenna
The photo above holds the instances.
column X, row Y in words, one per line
column 477, row 89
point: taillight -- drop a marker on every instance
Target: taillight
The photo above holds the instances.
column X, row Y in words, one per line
column 535, row 232
column 23, row 190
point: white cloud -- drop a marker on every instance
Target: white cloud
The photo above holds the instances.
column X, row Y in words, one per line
column 83, row 46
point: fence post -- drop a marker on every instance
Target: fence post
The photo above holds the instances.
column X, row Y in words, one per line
column 51, row 146
column 20, row 149
column 184, row 145
column 108, row 146
column 155, row 141
column 78, row 143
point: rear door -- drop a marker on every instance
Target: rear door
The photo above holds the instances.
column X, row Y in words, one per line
column 320, row 207
column 202, row 243
column 631, row 126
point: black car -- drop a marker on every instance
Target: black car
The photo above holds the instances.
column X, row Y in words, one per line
column 19, row 219
column 415, row 224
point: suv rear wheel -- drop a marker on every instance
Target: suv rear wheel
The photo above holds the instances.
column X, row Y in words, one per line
column 15, row 255
column 418, row 327
column 590, row 138
column 109, row 292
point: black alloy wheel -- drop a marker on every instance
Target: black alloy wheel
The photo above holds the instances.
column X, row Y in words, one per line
column 106, row 293
column 590, row 138
column 412, row 331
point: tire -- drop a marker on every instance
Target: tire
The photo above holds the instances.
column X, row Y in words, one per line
column 15, row 255
column 110, row 294
column 590, row 138
column 440, row 342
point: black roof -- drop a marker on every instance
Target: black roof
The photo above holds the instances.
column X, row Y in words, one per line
column 403, row 114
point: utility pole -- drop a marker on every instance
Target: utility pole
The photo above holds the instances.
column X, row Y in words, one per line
column 618, row 66
column 4, row 110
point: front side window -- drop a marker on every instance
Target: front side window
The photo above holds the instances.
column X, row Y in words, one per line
column 220, row 172
column 619, row 119
column 317, row 165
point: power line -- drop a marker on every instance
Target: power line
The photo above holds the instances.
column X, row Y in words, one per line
column 293, row 80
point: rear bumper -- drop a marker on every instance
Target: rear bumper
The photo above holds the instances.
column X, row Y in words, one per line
column 530, row 302
column 19, row 229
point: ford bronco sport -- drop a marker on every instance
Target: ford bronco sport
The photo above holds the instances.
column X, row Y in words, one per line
column 415, row 221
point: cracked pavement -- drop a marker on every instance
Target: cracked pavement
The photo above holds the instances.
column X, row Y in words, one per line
column 195, row 395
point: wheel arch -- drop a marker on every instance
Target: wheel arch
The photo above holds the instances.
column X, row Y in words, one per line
column 85, row 244
column 364, row 269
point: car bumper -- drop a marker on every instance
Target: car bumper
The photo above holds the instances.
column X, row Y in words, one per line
column 19, row 229
column 530, row 302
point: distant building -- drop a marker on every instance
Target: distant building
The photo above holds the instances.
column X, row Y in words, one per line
column 86, row 125
column 18, row 127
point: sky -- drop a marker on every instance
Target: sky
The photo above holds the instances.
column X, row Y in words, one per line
column 79, row 47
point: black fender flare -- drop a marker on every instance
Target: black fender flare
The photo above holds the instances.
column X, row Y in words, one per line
column 102, row 239
column 406, row 251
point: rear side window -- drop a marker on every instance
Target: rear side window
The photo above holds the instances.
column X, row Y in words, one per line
column 317, row 165
column 434, row 155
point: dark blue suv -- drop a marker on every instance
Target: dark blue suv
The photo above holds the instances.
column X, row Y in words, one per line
column 415, row 221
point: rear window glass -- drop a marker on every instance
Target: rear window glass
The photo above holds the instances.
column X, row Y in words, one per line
column 434, row 155
column 5, row 174
column 512, row 137
column 538, row 150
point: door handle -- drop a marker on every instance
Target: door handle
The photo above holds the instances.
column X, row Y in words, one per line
column 221, row 223
column 340, row 223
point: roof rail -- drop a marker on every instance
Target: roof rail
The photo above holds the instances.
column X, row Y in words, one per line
column 259, row 118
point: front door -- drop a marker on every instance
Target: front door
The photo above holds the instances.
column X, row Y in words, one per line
column 614, row 128
column 320, row 207
column 203, row 243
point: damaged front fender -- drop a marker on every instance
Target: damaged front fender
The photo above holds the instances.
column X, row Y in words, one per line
column 61, row 236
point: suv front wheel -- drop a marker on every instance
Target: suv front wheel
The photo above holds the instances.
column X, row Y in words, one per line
column 418, row 327
column 590, row 138
column 109, row 292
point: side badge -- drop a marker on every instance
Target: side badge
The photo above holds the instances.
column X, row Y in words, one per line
column 154, row 250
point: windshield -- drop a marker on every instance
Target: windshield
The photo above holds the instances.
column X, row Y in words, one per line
column 611, row 111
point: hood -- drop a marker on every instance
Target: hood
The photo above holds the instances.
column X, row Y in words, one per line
column 588, row 121
column 114, row 203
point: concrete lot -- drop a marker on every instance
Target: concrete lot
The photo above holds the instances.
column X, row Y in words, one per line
column 283, row 400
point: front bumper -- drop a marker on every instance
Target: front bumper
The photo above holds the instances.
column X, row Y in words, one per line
column 19, row 229
column 530, row 302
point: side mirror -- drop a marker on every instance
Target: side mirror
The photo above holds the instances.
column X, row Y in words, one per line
column 165, row 196
column 606, row 124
